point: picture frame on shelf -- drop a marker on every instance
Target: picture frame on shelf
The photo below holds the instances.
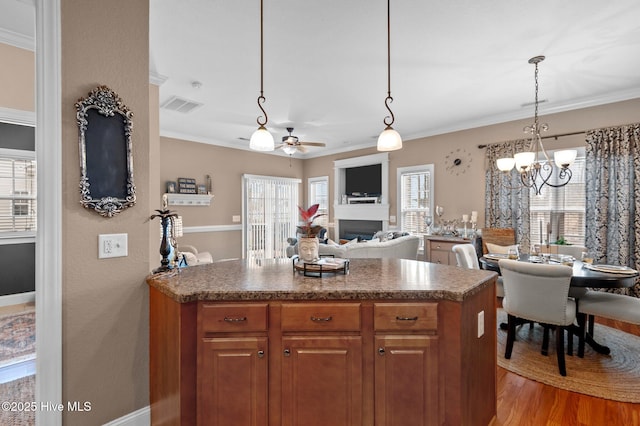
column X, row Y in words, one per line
column 171, row 187
column 202, row 188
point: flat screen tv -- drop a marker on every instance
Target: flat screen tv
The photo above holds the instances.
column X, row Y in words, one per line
column 364, row 180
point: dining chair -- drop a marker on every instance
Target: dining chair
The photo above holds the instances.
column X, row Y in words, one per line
column 613, row 306
column 540, row 293
column 467, row 257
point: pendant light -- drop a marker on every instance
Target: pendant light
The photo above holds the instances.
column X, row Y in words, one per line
column 389, row 139
column 261, row 139
column 536, row 173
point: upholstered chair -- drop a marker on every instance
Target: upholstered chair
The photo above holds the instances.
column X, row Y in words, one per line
column 613, row 306
column 540, row 293
column 467, row 257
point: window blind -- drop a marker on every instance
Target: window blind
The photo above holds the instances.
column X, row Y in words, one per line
column 416, row 188
column 270, row 215
column 319, row 194
column 17, row 194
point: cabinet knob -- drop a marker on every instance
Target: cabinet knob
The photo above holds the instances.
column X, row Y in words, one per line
column 438, row 246
column 260, row 354
column 287, row 352
column 381, row 351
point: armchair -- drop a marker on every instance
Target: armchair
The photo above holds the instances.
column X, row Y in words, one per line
column 467, row 257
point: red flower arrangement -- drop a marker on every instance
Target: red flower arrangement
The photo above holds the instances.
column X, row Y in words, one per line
column 308, row 216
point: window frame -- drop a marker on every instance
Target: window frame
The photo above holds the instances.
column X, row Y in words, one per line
column 400, row 172
column 9, row 237
column 323, row 220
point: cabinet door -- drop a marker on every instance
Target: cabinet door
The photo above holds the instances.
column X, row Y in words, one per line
column 232, row 381
column 406, row 380
column 322, row 381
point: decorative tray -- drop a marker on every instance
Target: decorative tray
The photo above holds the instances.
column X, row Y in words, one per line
column 324, row 265
column 611, row 269
column 496, row 256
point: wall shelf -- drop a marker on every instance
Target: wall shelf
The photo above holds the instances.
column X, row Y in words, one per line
column 189, row 199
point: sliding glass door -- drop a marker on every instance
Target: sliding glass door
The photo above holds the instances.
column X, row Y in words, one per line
column 270, row 215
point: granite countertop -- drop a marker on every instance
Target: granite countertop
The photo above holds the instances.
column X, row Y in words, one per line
column 276, row 280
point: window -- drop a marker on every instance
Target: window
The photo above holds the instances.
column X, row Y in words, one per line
column 415, row 192
column 562, row 209
column 17, row 192
column 319, row 194
column 270, row 209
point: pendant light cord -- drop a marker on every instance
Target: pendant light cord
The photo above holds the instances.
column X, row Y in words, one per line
column 261, row 98
column 388, row 99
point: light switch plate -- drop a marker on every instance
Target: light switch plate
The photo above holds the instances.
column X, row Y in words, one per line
column 112, row 245
column 392, row 219
column 235, row 219
column 480, row 324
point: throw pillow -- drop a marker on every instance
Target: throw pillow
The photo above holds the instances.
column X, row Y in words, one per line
column 354, row 241
column 330, row 242
column 496, row 249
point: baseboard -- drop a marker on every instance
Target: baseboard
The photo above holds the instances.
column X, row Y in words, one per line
column 17, row 299
column 141, row 417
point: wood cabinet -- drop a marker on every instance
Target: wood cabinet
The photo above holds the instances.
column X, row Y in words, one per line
column 438, row 249
column 406, row 364
column 322, row 362
column 233, row 364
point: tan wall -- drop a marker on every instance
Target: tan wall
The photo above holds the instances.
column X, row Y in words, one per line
column 17, row 77
column 105, row 302
column 225, row 166
column 460, row 194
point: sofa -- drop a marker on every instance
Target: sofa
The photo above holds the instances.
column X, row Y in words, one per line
column 404, row 247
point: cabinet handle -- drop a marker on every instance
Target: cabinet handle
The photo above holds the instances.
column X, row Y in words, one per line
column 260, row 354
column 241, row 319
column 437, row 246
column 407, row 318
column 321, row 319
column 287, row 352
column 381, row 351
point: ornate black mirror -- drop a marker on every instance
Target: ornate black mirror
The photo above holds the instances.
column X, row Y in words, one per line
column 106, row 159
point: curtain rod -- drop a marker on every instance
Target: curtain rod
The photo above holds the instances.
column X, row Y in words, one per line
column 547, row 137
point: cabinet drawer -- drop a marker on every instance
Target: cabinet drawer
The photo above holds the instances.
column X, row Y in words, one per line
column 321, row 317
column 442, row 245
column 405, row 316
column 441, row 257
column 233, row 317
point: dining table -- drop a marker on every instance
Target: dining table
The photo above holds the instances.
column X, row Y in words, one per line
column 582, row 277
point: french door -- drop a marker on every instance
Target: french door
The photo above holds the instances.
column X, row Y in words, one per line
column 270, row 213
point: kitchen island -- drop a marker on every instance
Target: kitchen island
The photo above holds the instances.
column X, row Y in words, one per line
column 392, row 341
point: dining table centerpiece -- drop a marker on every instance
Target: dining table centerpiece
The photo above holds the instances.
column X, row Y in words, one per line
column 308, row 243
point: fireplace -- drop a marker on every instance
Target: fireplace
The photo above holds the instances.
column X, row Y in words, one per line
column 361, row 229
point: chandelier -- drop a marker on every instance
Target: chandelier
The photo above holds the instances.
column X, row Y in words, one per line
column 389, row 139
column 536, row 172
column 261, row 139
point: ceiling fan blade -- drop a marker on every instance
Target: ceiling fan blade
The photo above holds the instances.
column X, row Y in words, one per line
column 313, row 143
column 301, row 148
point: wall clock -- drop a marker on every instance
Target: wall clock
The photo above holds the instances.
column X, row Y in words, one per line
column 458, row 161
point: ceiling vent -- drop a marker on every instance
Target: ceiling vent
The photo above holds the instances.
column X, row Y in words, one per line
column 179, row 104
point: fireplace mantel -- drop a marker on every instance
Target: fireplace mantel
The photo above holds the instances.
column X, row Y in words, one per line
column 365, row 211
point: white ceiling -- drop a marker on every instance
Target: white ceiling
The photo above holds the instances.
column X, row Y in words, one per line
column 455, row 64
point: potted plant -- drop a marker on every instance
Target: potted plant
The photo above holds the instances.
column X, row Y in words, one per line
column 309, row 244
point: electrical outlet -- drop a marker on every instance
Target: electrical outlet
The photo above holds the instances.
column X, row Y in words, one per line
column 112, row 245
column 392, row 219
column 480, row 324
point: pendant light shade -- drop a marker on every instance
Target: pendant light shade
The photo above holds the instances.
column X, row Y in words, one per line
column 389, row 139
column 261, row 139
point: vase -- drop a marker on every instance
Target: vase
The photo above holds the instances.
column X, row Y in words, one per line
column 308, row 248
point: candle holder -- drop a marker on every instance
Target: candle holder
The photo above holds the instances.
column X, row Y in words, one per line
column 165, row 246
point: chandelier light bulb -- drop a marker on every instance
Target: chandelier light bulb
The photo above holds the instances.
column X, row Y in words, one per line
column 389, row 140
column 524, row 160
column 505, row 164
column 565, row 158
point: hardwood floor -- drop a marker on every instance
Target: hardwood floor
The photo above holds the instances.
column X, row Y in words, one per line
column 526, row 402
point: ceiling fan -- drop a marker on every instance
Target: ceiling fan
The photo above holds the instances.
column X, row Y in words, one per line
column 290, row 144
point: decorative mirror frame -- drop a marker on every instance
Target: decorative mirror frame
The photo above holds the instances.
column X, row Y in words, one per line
column 110, row 167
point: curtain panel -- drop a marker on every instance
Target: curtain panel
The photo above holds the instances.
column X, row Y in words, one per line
column 613, row 197
column 507, row 200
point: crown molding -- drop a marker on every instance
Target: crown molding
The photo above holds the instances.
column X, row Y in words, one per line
column 157, row 78
column 18, row 40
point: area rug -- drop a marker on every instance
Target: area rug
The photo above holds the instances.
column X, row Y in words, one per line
column 17, row 337
column 22, row 390
column 615, row 376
